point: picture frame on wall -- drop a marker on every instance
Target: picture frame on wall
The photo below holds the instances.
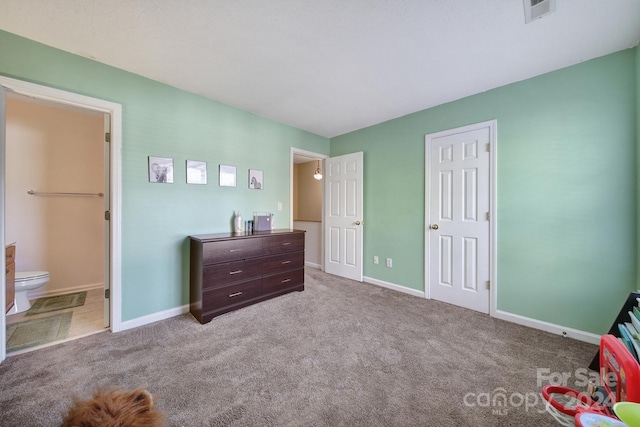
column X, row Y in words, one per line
column 161, row 170
column 196, row 172
column 256, row 179
column 227, row 176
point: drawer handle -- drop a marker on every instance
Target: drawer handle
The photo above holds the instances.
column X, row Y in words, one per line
column 286, row 243
column 7, row 272
column 237, row 294
column 235, row 272
column 286, row 262
column 285, row 280
column 235, row 250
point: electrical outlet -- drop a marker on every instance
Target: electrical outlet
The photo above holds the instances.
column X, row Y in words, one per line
column 389, row 263
column 376, row 260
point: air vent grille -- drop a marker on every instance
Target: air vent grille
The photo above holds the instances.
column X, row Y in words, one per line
column 536, row 9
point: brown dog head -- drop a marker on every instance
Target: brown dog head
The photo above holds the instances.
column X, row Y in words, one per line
column 114, row 408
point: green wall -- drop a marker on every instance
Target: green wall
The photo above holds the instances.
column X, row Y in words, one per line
column 160, row 120
column 567, row 212
column 567, row 180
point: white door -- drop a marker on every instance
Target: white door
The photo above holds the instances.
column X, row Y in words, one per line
column 457, row 224
column 343, row 215
column 3, row 320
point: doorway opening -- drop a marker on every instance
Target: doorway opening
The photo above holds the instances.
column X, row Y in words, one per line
column 54, row 214
column 110, row 115
column 306, row 202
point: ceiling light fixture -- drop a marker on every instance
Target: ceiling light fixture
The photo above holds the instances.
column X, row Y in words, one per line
column 317, row 174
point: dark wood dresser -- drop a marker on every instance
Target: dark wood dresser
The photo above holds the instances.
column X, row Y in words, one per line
column 229, row 271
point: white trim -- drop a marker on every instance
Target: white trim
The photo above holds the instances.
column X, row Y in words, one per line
column 312, row 265
column 548, row 327
column 506, row 316
column 154, row 317
column 493, row 222
column 61, row 291
column 493, row 203
column 115, row 110
column 393, row 286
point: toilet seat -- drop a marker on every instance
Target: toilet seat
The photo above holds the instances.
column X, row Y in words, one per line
column 25, row 282
column 23, row 276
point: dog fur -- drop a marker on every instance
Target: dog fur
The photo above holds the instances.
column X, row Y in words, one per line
column 114, row 408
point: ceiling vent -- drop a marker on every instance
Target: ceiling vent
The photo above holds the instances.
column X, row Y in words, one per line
column 536, row 9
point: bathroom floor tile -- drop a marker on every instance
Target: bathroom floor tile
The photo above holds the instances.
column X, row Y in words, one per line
column 87, row 319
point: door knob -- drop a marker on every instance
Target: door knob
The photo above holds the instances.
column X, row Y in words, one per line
column 434, row 226
column 357, row 222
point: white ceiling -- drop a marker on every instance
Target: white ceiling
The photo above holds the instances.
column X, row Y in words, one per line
column 328, row 66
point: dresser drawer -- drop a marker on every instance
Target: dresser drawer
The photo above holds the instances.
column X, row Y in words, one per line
column 290, row 242
column 10, row 255
column 275, row 264
column 229, row 271
column 231, row 250
column 282, row 281
column 217, row 275
column 216, row 298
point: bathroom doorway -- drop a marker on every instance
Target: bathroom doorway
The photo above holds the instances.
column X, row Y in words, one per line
column 307, row 201
column 106, row 145
column 54, row 206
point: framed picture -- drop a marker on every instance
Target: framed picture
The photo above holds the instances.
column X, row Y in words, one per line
column 161, row 169
column 227, row 176
column 256, row 180
column 196, row 172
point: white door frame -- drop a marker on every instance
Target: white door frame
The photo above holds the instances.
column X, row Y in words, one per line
column 115, row 111
column 316, row 156
column 493, row 207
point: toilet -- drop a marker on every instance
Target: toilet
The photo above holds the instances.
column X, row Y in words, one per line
column 27, row 281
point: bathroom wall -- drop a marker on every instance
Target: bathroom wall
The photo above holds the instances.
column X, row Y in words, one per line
column 55, row 150
column 307, row 214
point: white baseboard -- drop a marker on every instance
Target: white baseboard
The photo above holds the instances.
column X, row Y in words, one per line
column 312, row 265
column 393, row 286
column 37, row 293
column 503, row 315
column 155, row 317
column 548, row 327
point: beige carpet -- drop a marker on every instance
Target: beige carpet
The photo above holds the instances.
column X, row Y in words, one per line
column 341, row 353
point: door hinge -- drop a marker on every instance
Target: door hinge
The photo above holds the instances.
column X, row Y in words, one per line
column 107, row 293
column 489, row 147
column 107, row 216
column 488, row 216
column 107, row 136
column 488, row 284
